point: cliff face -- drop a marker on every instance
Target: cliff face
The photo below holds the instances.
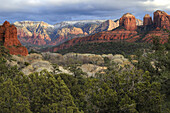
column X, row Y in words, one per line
column 128, row 21
column 8, row 37
column 33, row 33
column 147, row 20
column 161, row 19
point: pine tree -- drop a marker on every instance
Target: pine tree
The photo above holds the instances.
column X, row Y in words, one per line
column 12, row 100
column 46, row 93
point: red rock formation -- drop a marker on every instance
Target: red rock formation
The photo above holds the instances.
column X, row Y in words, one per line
column 131, row 33
column 8, row 37
column 106, row 36
column 114, row 36
column 147, row 20
column 128, row 21
column 162, row 34
column 161, row 19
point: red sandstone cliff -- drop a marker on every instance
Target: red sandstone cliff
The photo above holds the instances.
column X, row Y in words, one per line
column 161, row 19
column 128, row 21
column 8, row 37
column 147, row 20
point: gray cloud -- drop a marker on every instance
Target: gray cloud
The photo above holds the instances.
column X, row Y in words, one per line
column 53, row 11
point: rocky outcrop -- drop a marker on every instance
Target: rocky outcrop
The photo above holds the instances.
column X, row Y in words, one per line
column 91, row 69
column 8, row 37
column 128, row 21
column 91, row 63
column 30, row 63
column 84, row 58
column 121, row 61
column 73, row 58
column 161, row 19
column 37, row 66
column 147, row 20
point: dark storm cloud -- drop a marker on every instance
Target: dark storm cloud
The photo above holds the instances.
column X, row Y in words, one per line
column 53, row 11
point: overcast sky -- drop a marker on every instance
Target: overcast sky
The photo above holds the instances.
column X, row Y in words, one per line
column 53, row 11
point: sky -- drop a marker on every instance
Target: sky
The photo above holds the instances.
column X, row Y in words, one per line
column 54, row 11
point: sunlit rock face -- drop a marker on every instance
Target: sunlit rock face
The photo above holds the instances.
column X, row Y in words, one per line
column 8, row 37
column 147, row 20
column 128, row 21
column 161, row 19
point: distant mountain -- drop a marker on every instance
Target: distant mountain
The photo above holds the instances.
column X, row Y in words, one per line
column 35, row 33
column 128, row 31
column 78, row 23
column 32, row 33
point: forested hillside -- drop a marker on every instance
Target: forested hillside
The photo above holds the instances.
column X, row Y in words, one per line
column 143, row 88
column 106, row 48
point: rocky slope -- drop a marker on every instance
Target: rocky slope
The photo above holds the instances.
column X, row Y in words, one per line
column 8, row 38
column 40, row 33
column 36, row 33
column 88, row 63
column 128, row 31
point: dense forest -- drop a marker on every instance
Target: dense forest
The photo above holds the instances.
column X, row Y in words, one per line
column 106, row 48
column 142, row 89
